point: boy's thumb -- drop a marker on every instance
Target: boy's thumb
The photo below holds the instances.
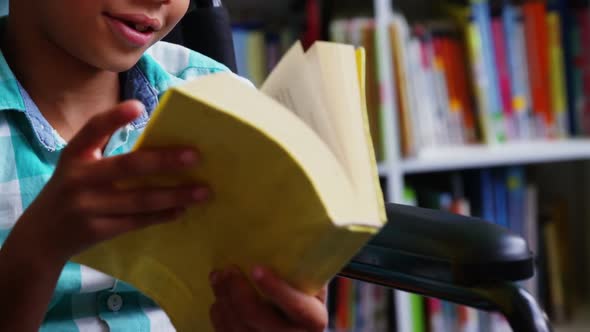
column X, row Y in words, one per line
column 92, row 137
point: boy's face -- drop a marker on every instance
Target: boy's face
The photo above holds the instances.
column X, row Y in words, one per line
column 107, row 34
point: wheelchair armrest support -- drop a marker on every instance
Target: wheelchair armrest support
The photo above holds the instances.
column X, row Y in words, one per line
column 447, row 247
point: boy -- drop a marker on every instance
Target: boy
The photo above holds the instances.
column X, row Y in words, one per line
column 72, row 71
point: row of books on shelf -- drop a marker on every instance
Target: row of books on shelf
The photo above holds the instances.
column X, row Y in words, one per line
column 483, row 73
column 501, row 195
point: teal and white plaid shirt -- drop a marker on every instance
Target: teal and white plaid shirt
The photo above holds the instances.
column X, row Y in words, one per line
column 84, row 300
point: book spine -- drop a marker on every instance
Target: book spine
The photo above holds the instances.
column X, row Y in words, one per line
column 396, row 29
column 338, row 30
column 453, row 80
column 422, row 95
column 256, row 58
column 459, row 61
column 487, row 195
column 584, row 17
column 417, row 310
column 442, row 93
column 435, row 315
column 343, row 319
column 504, row 80
column 432, row 119
column 557, row 74
column 516, row 49
column 372, row 91
column 538, row 58
column 482, row 16
column 313, row 23
column 500, row 195
column 515, row 183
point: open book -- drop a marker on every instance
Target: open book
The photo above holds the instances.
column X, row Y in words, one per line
column 293, row 173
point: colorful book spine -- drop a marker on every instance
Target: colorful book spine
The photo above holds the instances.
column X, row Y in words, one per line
column 557, row 75
column 482, row 18
column 516, row 185
column 417, row 310
column 500, row 197
column 344, row 315
column 460, row 105
column 431, row 129
column 538, row 58
column 458, row 65
column 516, row 50
column 436, row 322
column 409, row 125
column 444, row 95
column 487, row 195
column 504, row 79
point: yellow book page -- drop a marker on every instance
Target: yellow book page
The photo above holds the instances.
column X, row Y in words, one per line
column 279, row 198
column 337, row 65
column 296, row 86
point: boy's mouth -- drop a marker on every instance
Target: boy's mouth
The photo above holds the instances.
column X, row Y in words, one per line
column 135, row 30
column 140, row 23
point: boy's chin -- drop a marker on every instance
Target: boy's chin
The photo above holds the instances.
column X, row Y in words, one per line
column 118, row 62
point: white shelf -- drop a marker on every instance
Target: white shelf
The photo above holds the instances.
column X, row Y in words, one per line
column 477, row 156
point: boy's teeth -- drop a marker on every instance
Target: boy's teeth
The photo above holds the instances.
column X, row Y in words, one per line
column 141, row 28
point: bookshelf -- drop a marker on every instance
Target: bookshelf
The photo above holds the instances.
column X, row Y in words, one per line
column 398, row 170
column 395, row 167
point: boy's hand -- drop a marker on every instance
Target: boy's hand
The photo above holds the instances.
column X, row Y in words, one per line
column 239, row 307
column 80, row 206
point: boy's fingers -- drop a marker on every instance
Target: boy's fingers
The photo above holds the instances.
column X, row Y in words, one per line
column 141, row 201
column 107, row 228
column 299, row 307
column 224, row 319
column 223, row 316
column 219, row 318
column 139, row 163
column 98, row 129
column 250, row 309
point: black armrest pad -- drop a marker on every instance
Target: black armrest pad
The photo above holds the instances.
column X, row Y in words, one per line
column 447, row 247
